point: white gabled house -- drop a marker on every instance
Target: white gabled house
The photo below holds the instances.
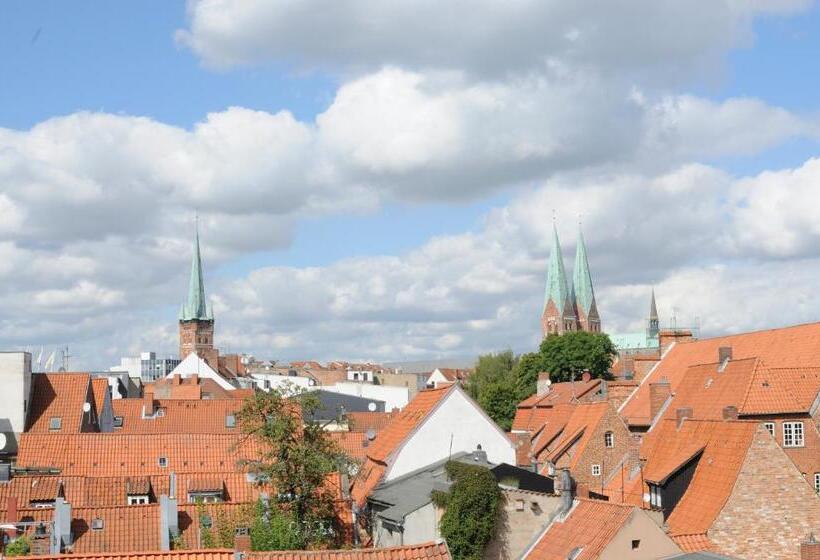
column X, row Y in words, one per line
column 194, row 365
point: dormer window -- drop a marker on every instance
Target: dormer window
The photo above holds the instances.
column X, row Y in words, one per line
column 55, row 423
column 655, row 496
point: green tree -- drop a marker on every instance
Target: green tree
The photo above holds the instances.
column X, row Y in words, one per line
column 499, row 401
column 471, row 510
column 569, row 354
column 526, row 373
column 274, row 530
column 296, row 460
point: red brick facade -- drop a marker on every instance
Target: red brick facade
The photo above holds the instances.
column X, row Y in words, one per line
column 198, row 337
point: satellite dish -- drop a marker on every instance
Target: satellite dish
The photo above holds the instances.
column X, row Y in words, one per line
column 371, row 434
column 2, row 441
column 371, row 407
column 86, row 407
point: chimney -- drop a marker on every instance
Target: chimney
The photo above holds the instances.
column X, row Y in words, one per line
column 11, row 515
column 479, row 455
column 40, row 541
column 566, row 491
column 177, row 379
column 658, row 393
column 242, row 540
column 681, row 414
column 543, row 386
column 629, row 367
column 194, row 379
column 724, row 357
column 168, row 521
column 810, row 548
column 730, row 412
column 586, row 376
column 61, row 535
column 148, row 403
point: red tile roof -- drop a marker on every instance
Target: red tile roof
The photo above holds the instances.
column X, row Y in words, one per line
column 579, row 428
column 206, row 416
column 400, row 427
column 430, row 551
column 724, row 445
column 134, row 454
column 58, row 395
column 363, row 421
column 208, row 554
column 694, row 543
column 789, row 347
column 591, row 525
column 354, row 444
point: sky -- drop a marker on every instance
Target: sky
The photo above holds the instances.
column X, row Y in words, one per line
column 377, row 180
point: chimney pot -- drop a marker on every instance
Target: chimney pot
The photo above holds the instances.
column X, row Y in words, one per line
column 586, row 376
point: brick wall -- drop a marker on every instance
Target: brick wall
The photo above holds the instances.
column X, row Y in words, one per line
column 771, row 509
column 198, row 337
column 517, row 527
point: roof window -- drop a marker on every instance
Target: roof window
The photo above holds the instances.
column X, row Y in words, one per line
column 163, row 461
column 97, row 524
column 230, row 421
column 118, row 421
column 55, row 423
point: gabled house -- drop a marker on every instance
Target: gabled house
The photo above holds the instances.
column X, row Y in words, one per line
column 786, row 400
column 435, row 425
column 789, row 347
column 725, row 485
column 592, row 529
column 592, row 444
column 444, row 376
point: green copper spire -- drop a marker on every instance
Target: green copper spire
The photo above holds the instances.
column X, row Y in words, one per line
column 195, row 307
column 653, row 309
column 556, row 290
column 582, row 291
column 654, row 325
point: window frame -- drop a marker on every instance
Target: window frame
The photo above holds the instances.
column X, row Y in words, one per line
column 609, row 439
column 771, row 427
column 817, row 482
column 795, row 432
column 55, row 423
column 596, row 467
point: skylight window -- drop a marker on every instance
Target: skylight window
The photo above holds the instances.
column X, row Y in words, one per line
column 163, row 461
column 55, row 423
column 230, row 421
column 97, row 524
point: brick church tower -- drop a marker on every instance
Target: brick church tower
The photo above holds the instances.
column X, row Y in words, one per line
column 196, row 318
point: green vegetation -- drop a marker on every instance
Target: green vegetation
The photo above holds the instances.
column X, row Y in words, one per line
column 296, row 461
column 502, row 380
column 471, row 510
column 20, row 546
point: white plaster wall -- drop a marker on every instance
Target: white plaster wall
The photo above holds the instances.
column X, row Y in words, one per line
column 436, row 377
column 15, row 388
column 193, row 364
column 421, row 526
column 457, row 419
column 282, row 383
column 393, row 397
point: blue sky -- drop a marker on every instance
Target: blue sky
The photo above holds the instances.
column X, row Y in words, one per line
column 122, row 59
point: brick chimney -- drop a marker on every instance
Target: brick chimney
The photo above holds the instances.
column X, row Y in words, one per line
column 810, row 548
column 658, row 393
column 194, row 379
column 148, row 403
column 40, row 541
column 543, row 385
column 730, row 412
column 242, row 540
column 11, row 514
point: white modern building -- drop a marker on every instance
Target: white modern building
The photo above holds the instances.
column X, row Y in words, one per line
column 15, row 395
column 146, row 367
column 393, row 397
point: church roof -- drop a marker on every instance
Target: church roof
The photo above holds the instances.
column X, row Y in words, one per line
column 556, row 289
column 582, row 291
column 195, row 306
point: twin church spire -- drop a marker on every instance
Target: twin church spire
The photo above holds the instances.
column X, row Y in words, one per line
column 569, row 308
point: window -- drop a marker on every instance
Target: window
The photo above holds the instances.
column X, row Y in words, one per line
column 655, row 496
column 230, row 421
column 97, row 524
column 793, row 434
column 817, row 482
column 596, row 470
column 769, row 426
column 137, row 500
column 163, row 461
column 609, row 439
column 55, row 423
column 118, row 421
column 636, row 544
column 519, row 505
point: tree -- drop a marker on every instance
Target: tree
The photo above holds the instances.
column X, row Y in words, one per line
column 569, row 354
column 20, row 546
column 296, row 460
column 499, row 401
column 492, row 385
column 526, row 373
column 471, row 510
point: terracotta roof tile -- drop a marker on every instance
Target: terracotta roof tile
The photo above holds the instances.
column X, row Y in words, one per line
column 789, row 347
column 363, row 421
column 724, row 446
column 354, row 444
column 428, row 551
column 178, row 416
column 591, row 525
column 694, row 543
column 207, row 554
column 580, row 426
column 133, row 454
column 58, row 395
